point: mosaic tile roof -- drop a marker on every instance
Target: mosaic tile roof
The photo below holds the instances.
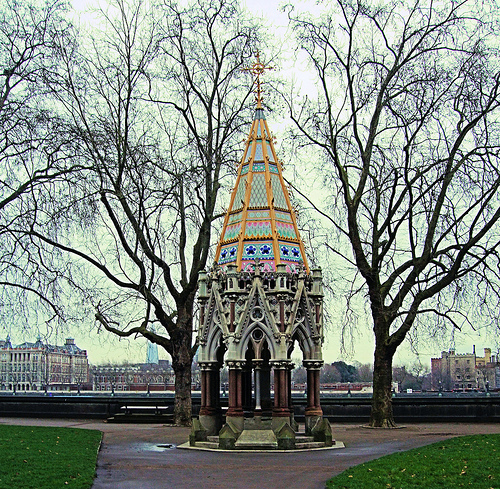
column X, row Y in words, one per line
column 260, row 222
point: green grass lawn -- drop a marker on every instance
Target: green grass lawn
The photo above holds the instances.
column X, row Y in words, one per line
column 467, row 461
column 47, row 458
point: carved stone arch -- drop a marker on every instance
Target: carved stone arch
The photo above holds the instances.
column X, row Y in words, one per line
column 304, row 341
column 256, row 312
column 209, row 350
column 246, row 339
column 244, row 312
column 208, row 321
column 221, row 312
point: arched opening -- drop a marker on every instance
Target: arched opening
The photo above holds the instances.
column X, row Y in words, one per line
column 256, row 377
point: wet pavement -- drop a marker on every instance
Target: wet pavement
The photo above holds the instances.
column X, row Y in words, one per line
column 143, row 456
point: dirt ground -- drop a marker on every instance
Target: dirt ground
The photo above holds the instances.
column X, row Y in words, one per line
column 144, row 456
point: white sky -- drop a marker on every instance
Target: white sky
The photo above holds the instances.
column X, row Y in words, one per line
column 105, row 347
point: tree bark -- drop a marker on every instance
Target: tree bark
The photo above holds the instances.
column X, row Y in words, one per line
column 381, row 413
column 182, row 403
column 181, row 351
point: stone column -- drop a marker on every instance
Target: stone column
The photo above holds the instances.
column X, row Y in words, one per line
column 258, row 386
column 281, row 408
column 246, row 386
column 235, row 415
column 265, row 389
column 313, row 410
column 289, row 369
column 210, row 413
column 235, row 400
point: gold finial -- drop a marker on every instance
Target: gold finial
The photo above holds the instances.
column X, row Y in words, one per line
column 258, row 69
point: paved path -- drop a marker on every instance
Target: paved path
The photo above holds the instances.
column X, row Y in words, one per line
column 131, row 457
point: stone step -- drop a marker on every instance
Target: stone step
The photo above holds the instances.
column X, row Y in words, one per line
column 303, row 438
column 207, row 444
column 309, row 444
column 257, row 440
column 213, row 438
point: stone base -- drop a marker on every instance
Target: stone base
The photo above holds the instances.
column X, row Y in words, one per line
column 211, row 423
column 278, row 423
column 257, row 423
column 237, row 423
column 198, row 433
column 257, row 440
column 263, row 433
column 311, row 421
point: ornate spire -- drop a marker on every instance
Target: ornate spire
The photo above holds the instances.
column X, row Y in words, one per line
column 258, row 69
column 260, row 224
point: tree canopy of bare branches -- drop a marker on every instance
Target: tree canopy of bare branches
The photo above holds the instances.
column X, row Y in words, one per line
column 406, row 119
column 155, row 100
column 34, row 146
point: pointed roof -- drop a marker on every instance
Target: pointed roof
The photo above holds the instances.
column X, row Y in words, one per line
column 260, row 222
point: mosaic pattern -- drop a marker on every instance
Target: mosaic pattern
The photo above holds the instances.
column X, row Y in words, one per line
column 283, row 216
column 264, row 265
column 258, row 197
column 259, row 155
column 228, row 254
column 269, row 152
column 279, row 198
column 232, row 231
column 262, row 236
column 290, row 253
column 254, row 215
column 260, row 249
column 234, row 218
column 258, row 229
column 285, row 230
column 240, row 195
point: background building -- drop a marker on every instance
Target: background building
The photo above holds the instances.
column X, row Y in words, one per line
column 38, row 366
column 465, row 371
column 134, row 377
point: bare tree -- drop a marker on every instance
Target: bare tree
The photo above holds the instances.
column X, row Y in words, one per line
column 329, row 374
column 406, row 121
column 34, row 146
column 364, row 373
column 156, row 103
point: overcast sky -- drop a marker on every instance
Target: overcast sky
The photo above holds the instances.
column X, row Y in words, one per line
column 105, row 347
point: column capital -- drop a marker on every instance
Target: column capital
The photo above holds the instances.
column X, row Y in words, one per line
column 235, row 364
column 208, row 366
column 257, row 363
column 313, row 364
column 280, row 364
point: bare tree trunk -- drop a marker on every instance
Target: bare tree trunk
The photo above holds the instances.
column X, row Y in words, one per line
column 381, row 413
column 182, row 369
column 182, row 357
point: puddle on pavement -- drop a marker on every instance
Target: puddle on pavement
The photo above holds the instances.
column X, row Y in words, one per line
column 152, row 447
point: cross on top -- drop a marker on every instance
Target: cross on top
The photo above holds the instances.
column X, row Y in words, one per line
column 258, row 69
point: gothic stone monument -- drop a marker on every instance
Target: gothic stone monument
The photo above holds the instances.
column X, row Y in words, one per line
column 259, row 299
